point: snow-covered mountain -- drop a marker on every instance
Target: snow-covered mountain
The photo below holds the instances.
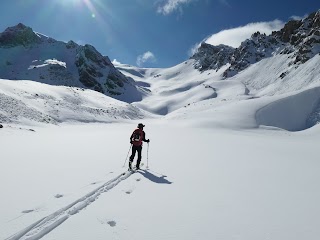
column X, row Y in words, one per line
column 298, row 39
column 280, row 70
column 227, row 160
column 27, row 55
column 274, row 79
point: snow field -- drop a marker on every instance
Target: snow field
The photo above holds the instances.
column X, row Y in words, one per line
column 202, row 183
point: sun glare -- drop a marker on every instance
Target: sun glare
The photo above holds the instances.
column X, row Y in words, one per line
column 95, row 10
column 72, row 1
column 79, row 4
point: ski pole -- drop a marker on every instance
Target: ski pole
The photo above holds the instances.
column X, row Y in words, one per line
column 127, row 156
column 148, row 156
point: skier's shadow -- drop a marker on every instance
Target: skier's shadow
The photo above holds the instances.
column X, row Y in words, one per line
column 153, row 178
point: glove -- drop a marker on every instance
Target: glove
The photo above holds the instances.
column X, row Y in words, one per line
column 148, row 140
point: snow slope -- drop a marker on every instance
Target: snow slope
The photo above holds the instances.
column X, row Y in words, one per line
column 29, row 102
column 201, row 184
column 260, row 91
column 182, row 92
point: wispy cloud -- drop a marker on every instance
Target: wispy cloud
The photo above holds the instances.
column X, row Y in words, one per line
column 169, row 6
column 115, row 61
column 79, row 42
column 146, row 57
column 298, row 17
column 234, row 36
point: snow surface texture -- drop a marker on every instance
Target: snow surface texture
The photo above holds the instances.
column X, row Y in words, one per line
column 228, row 184
column 25, row 101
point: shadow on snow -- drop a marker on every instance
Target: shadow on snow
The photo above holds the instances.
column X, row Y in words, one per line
column 154, row 178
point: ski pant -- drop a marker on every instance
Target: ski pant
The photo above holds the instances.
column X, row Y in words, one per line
column 134, row 150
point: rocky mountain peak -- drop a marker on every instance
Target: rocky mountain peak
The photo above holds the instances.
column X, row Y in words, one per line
column 71, row 44
column 212, row 57
column 97, row 71
column 47, row 60
column 288, row 30
column 250, row 51
column 314, row 19
column 18, row 35
column 303, row 37
column 299, row 38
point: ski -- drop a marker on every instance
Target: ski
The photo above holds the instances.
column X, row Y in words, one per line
column 134, row 169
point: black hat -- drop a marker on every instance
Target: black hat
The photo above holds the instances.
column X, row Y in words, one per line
column 140, row 125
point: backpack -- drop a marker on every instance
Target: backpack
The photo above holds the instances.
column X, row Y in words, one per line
column 136, row 137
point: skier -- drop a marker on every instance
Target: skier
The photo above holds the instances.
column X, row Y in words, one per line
column 136, row 139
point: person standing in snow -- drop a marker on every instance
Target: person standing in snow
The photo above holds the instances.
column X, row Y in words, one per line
column 137, row 137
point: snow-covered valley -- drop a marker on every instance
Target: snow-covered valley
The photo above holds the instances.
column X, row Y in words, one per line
column 200, row 184
column 218, row 166
column 233, row 157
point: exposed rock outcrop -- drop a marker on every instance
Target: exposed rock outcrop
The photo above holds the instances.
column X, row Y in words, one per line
column 299, row 38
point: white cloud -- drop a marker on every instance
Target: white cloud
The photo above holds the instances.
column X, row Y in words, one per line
column 234, row 36
column 81, row 42
column 146, row 57
column 116, row 62
column 298, row 17
column 170, row 6
column 193, row 49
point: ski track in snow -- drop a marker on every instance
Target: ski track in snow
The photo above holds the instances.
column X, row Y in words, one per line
column 45, row 225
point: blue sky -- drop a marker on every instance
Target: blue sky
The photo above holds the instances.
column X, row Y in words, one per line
column 152, row 33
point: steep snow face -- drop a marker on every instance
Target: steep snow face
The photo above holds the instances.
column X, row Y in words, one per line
column 32, row 56
column 294, row 112
column 27, row 102
column 272, row 76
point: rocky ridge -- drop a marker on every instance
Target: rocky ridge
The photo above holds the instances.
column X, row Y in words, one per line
column 212, row 57
column 299, row 39
column 18, row 35
column 28, row 55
